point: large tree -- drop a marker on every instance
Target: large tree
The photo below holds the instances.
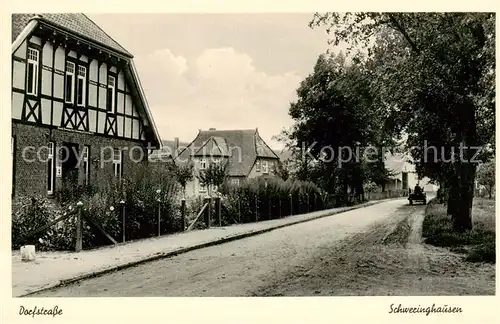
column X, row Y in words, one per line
column 335, row 119
column 435, row 73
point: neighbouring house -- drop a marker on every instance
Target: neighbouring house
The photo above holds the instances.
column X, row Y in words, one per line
column 244, row 154
column 79, row 113
column 404, row 175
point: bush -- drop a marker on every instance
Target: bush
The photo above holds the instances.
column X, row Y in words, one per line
column 142, row 200
column 144, row 194
column 193, row 207
column 30, row 214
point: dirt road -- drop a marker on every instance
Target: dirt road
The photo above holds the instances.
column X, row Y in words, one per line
column 369, row 251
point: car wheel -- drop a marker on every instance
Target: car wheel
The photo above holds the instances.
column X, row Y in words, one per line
column 411, row 202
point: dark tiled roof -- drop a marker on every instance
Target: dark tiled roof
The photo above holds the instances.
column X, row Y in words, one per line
column 214, row 146
column 76, row 23
column 243, row 147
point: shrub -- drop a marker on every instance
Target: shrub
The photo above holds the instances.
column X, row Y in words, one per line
column 142, row 200
column 193, row 207
column 30, row 214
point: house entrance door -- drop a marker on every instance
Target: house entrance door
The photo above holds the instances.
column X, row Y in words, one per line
column 69, row 158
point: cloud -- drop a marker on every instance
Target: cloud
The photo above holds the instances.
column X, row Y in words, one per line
column 219, row 88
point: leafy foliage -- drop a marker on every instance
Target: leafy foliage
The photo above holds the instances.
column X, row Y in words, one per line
column 335, row 119
column 29, row 214
column 486, row 176
column 143, row 194
column 213, row 176
column 433, row 72
column 183, row 173
column 281, row 170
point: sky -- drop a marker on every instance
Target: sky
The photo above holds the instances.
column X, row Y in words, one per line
column 223, row 71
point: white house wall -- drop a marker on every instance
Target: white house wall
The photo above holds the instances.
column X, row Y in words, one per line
column 52, row 63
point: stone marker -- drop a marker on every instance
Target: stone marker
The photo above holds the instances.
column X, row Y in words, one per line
column 28, row 253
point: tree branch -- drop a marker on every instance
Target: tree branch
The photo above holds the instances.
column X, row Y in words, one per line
column 402, row 30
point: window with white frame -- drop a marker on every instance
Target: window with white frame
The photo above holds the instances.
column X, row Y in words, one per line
column 69, row 94
column 110, row 97
column 265, row 167
column 50, row 169
column 81, row 86
column 117, row 163
column 86, row 165
column 235, row 182
column 216, row 161
column 203, row 164
column 257, row 166
column 32, row 72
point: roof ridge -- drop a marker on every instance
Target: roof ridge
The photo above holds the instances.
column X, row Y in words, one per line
column 255, row 134
column 276, row 155
column 229, row 130
column 114, row 40
column 204, row 144
column 189, row 145
column 213, row 139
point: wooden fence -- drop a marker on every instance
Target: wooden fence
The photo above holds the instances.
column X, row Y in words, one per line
column 80, row 218
column 211, row 213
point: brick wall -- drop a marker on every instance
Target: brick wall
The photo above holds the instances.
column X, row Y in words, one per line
column 31, row 177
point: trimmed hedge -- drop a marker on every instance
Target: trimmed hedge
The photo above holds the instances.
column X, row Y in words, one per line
column 269, row 198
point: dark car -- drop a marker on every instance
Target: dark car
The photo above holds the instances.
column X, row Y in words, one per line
column 417, row 197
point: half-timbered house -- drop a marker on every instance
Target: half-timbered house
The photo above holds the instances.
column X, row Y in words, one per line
column 79, row 113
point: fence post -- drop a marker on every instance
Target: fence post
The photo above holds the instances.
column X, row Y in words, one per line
column 207, row 212
column 183, row 213
column 256, row 208
column 291, row 205
column 79, row 227
column 159, row 211
column 308, row 207
column 124, row 221
column 279, row 206
column 239, row 211
column 270, row 203
column 218, row 211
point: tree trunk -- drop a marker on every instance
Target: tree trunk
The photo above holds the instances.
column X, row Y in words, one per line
column 462, row 213
column 451, row 196
column 465, row 170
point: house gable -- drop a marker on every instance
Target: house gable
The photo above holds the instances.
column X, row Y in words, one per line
column 240, row 145
column 60, row 42
column 214, row 146
column 262, row 149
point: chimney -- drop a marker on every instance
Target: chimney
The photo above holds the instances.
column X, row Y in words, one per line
column 176, row 146
column 212, row 129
